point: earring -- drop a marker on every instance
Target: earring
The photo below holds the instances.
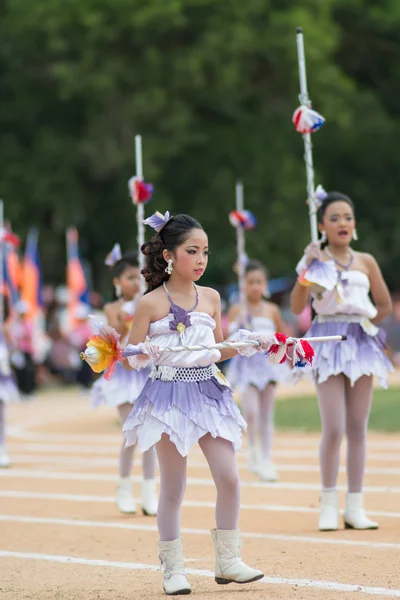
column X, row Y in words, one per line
column 355, row 236
column 323, row 237
column 267, row 293
column 118, row 291
column 168, row 268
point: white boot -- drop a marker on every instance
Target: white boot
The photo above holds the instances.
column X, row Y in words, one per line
column 252, row 458
column 267, row 471
column 171, row 557
column 329, row 513
column 4, row 458
column 229, row 566
column 125, row 500
column 149, row 497
column 354, row 515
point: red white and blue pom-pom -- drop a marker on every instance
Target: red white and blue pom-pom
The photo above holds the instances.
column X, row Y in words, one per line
column 140, row 192
column 277, row 352
column 303, row 354
column 307, row 120
column 242, row 218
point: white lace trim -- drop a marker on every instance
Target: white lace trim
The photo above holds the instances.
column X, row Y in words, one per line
column 185, row 374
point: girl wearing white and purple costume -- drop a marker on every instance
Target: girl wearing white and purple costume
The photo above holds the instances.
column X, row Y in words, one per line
column 8, row 393
column 254, row 377
column 343, row 371
column 186, row 399
column 125, row 386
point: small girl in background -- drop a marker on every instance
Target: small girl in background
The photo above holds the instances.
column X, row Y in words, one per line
column 255, row 377
column 125, row 386
column 8, row 392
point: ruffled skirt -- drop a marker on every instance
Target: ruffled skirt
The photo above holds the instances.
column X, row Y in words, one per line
column 123, row 388
column 186, row 411
column 362, row 354
column 256, row 371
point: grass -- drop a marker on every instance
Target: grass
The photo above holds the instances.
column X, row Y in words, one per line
column 302, row 412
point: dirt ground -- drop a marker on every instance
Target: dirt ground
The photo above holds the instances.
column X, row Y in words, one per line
column 62, row 538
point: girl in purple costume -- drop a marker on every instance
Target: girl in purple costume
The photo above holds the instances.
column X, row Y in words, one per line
column 125, row 386
column 8, row 392
column 255, row 377
column 344, row 371
column 186, row 399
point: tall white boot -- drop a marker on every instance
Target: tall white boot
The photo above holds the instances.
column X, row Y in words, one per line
column 267, row 471
column 329, row 512
column 171, row 557
column 252, row 458
column 125, row 500
column 229, row 567
column 149, row 497
column 4, row 458
column 354, row 515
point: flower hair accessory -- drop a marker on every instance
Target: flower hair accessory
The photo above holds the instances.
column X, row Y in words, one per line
column 319, row 195
column 114, row 256
column 158, row 220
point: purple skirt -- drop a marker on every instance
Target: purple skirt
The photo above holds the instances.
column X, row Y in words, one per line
column 255, row 370
column 361, row 354
column 186, row 411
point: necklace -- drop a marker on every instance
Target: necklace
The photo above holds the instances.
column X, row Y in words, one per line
column 346, row 267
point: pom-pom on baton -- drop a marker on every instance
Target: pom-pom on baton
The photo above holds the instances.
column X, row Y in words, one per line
column 103, row 350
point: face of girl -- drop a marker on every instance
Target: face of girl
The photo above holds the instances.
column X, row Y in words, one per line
column 339, row 223
column 255, row 284
column 190, row 259
column 129, row 281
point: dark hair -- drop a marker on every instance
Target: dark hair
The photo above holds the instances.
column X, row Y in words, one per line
column 256, row 265
column 330, row 198
column 129, row 259
column 172, row 235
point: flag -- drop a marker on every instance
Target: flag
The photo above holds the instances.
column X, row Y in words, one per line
column 78, row 291
column 31, row 285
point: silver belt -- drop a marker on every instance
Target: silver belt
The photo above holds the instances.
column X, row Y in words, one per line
column 185, row 374
column 339, row 318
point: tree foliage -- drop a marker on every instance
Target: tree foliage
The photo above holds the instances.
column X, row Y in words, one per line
column 211, row 87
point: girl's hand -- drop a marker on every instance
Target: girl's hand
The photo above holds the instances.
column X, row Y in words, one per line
column 313, row 252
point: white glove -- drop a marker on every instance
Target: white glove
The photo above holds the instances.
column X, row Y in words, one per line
column 312, row 252
column 149, row 353
column 243, row 335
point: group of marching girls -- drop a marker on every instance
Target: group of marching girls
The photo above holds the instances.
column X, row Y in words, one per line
column 162, row 348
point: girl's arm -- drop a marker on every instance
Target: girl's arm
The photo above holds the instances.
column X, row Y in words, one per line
column 277, row 317
column 114, row 318
column 225, row 352
column 379, row 290
column 140, row 327
column 299, row 298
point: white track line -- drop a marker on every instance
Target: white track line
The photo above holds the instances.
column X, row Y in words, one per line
column 17, row 432
column 187, row 503
column 188, row 530
column 33, row 474
column 307, row 583
column 112, row 462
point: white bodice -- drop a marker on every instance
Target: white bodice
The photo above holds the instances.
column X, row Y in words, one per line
column 263, row 325
column 201, row 331
column 350, row 297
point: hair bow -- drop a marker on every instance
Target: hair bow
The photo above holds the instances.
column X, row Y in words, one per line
column 158, row 220
column 114, row 256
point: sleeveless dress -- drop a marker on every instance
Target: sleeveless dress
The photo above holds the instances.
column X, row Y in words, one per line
column 255, row 370
column 346, row 309
column 124, row 386
column 186, row 396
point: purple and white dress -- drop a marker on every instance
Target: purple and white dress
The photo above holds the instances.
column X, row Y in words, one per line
column 124, row 386
column 346, row 309
column 8, row 388
column 256, row 370
column 186, row 396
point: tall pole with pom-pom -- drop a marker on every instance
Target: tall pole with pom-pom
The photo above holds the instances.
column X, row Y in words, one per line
column 242, row 220
column 141, row 193
column 306, row 122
